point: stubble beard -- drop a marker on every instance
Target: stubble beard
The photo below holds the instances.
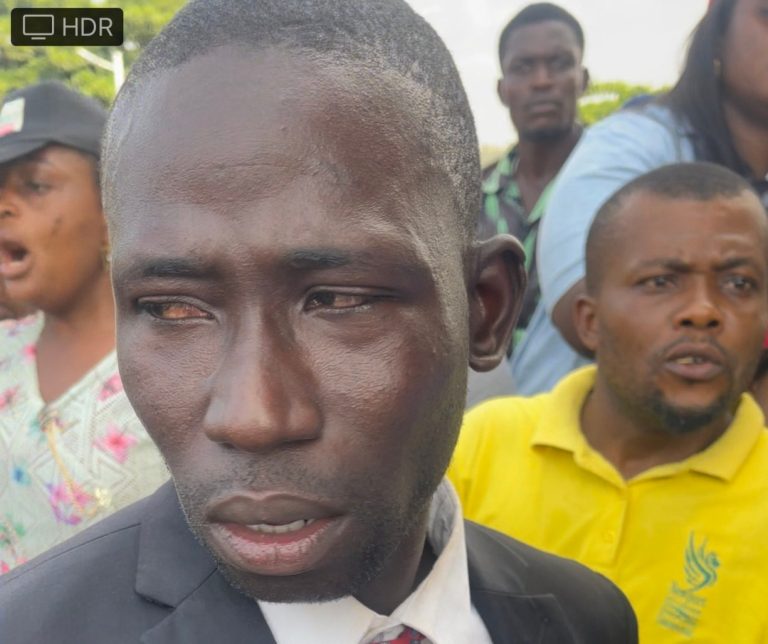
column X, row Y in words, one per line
column 546, row 135
column 365, row 560
column 678, row 421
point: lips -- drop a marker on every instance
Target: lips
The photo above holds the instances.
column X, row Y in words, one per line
column 543, row 107
column 274, row 533
column 697, row 362
column 15, row 259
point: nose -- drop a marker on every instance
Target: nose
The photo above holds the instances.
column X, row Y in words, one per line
column 7, row 208
column 263, row 394
column 541, row 76
column 700, row 309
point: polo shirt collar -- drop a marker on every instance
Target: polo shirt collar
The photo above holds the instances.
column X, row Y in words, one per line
column 560, row 427
column 503, row 173
column 724, row 457
column 560, row 424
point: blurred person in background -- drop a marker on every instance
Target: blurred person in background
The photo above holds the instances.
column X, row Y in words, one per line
column 717, row 112
column 540, row 54
column 650, row 467
column 71, row 447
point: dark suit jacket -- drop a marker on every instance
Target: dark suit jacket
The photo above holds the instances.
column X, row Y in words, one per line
column 140, row 576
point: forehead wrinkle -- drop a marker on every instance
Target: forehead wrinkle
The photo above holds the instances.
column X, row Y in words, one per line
column 244, row 181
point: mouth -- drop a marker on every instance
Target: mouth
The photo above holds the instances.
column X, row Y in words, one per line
column 543, row 108
column 695, row 362
column 274, row 534
column 294, row 526
column 15, row 260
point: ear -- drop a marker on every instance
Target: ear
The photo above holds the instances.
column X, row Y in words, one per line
column 585, row 80
column 585, row 321
column 500, row 93
column 496, row 296
column 104, row 229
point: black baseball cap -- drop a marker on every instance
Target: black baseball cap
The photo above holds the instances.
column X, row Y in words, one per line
column 45, row 113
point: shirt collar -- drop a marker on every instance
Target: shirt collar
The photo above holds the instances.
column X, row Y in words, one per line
column 440, row 607
column 560, row 427
column 724, row 457
column 503, row 173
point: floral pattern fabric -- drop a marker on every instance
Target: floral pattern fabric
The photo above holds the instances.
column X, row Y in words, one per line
column 68, row 463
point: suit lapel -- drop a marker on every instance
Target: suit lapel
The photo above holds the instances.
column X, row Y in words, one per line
column 174, row 570
column 214, row 612
column 511, row 615
column 521, row 619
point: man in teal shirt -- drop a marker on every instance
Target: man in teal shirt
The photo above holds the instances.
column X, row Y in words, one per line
column 540, row 52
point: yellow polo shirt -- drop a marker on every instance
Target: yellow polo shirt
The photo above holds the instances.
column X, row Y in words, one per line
column 687, row 542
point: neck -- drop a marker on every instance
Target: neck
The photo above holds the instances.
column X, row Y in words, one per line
column 405, row 569
column 87, row 323
column 542, row 160
column 634, row 445
column 750, row 137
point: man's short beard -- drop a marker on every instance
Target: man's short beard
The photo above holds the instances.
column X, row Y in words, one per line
column 290, row 589
column 677, row 421
column 371, row 559
column 545, row 135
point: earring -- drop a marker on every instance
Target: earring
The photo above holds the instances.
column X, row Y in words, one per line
column 106, row 256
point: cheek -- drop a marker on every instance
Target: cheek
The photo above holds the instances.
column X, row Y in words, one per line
column 746, row 342
column 512, row 94
column 71, row 238
column 392, row 402
column 164, row 384
column 623, row 341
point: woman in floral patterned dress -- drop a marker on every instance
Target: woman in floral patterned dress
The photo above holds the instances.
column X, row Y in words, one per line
column 71, row 447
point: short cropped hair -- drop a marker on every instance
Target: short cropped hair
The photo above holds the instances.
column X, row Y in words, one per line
column 384, row 36
column 700, row 181
column 540, row 12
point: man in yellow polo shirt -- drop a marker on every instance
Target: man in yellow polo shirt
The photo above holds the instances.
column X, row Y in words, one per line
column 652, row 466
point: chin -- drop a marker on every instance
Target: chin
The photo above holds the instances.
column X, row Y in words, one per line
column 546, row 134
column 303, row 588
column 679, row 419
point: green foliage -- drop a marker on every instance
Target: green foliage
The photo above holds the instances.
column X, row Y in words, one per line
column 21, row 66
column 602, row 99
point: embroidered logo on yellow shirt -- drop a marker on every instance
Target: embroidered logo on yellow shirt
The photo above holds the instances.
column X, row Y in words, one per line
column 684, row 603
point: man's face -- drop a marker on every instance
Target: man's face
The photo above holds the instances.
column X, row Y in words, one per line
column 680, row 311
column 52, row 229
column 292, row 316
column 542, row 79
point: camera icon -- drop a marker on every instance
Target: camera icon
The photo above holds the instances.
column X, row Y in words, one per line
column 38, row 26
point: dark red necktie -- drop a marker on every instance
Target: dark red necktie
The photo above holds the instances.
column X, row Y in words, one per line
column 406, row 636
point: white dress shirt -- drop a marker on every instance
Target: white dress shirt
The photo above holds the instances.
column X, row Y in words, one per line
column 440, row 608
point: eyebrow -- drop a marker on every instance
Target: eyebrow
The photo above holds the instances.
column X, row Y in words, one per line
column 313, row 259
column 30, row 163
column 317, row 259
column 301, row 260
column 169, row 267
column 679, row 266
